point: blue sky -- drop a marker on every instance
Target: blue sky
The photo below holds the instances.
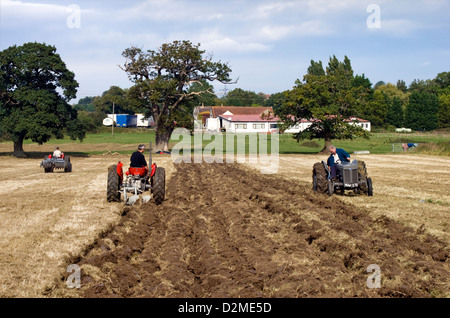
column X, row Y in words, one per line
column 268, row 44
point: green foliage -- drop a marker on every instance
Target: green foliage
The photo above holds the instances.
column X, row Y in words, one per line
column 378, row 84
column 32, row 78
column 316, row 68
column 117, row 98
column 276, row 101
column 421, row 112
column 86, row 104
column 361, row 81
column 376, row 109
column 395, row 116
column 206, row 99
column 162, row 80
column 401, row 85
column 240, row 97
column 328, row 100
column 444, row 111
column 92, row 121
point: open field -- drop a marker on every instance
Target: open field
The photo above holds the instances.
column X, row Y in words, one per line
column 225, row 230
column 124, row 139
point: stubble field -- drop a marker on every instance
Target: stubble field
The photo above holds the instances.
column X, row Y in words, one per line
column 225, row 230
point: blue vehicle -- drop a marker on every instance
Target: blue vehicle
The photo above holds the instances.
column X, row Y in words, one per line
column 124, row 120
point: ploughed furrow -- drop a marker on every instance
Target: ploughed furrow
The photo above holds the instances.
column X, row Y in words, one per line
column 228, row 231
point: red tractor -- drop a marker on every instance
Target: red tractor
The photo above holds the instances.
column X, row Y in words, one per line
column 136, row 181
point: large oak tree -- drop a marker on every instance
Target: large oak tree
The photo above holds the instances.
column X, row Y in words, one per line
column 35, row 88
column 162, row 79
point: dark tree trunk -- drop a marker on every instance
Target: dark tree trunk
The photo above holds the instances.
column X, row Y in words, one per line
column 162, row 138
column 18, row 149
column 326, row 147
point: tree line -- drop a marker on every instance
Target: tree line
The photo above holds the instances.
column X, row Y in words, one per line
column 167, row 83
column 424, row 105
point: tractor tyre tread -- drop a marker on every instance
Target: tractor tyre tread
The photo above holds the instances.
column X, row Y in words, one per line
column 320, row 174
column 159, row 185
column 113, row 186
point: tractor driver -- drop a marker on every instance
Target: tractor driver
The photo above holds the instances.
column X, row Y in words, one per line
column 57, row 153
column 138, row 159
column 338, row 155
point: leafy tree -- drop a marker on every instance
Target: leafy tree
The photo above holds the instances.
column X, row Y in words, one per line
column 428, row 86
column 421, row 112
column 361, row 81
column 377, row 109
column 35, row 87
column 401, row 85
column 329, row 101
column 378, row 84
column 85, row 104
column 162, row 79
column 207, row 99
column 392, row 91
column 276, row 101
column 442, row 82
column 316, row 68
column 240, row 97
column 395, row 112
column 114, row 96
column 444, row 111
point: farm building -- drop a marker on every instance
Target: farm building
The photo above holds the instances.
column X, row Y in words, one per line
column 303, row 124
column 250, row 119
column 236, row 118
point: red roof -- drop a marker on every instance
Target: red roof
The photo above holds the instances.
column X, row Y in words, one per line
column 248, row 118
column 239, row 110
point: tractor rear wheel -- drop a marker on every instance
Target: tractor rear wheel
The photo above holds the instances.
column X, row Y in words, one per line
column 67, row 164
column 113, row 185
column 159, row 185
column 319, row 176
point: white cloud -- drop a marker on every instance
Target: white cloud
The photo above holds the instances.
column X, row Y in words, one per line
column 266, row 10
column 28, row 13
column 230, row 45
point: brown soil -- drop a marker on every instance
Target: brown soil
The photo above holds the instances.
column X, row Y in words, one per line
column 228, row 231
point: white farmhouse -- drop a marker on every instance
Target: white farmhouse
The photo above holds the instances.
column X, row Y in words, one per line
column 236, row 119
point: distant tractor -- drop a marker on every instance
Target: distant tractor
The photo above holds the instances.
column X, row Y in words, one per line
column 349, row 176
column 135, row 182
column 51, row 163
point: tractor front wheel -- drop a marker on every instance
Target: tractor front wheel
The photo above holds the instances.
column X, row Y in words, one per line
column 330, row 187
column 369, row 187
column 113, row 185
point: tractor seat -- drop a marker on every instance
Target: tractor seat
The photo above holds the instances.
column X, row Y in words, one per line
column 141, row 172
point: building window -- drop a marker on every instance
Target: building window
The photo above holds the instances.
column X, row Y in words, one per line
column 240, row 126
column 259, row 126
column 273, row 126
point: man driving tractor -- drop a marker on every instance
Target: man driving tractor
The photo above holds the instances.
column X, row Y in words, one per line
column 337, row 156
column 138, row 159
